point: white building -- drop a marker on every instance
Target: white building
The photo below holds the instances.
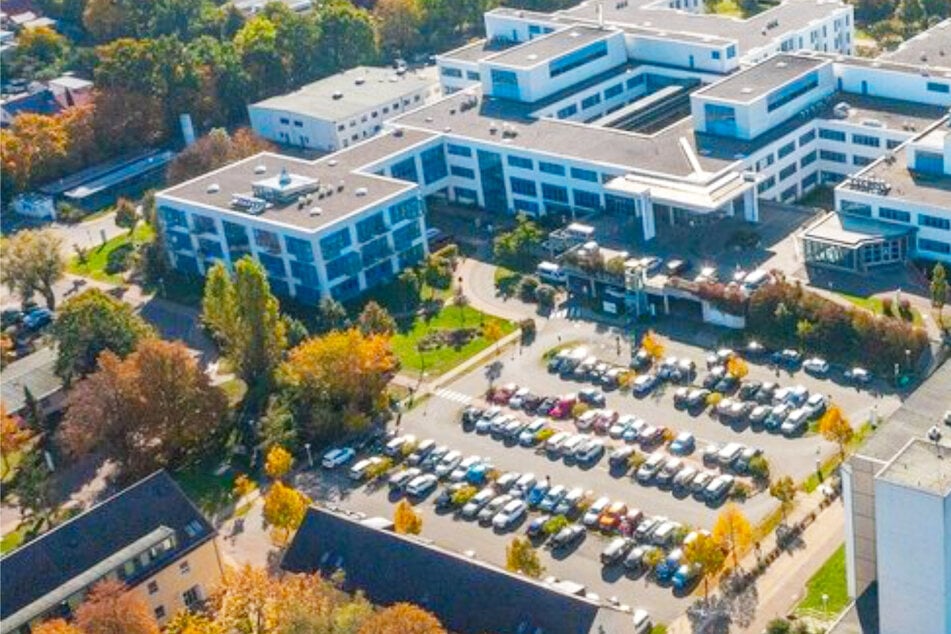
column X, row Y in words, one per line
column 343, row 109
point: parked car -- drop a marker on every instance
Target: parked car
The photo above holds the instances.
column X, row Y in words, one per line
column 604, row 420
column 567, row 537
column 616, row 551
column 337, row 457
column 421, row 451
column 552, row 498
column 729, row 454
column 470, row 510
column 684, row 477
column 554, row 443
column 643, row 531
column 567, row 504
column 510, row 515
column 395, row 446
column 816, row 405
column 529, row 434
column 471, row 414
column 537, row 493
column 719, row 358
column 633, row 432
column 748, row 390
column 619, row 457
column 586, row 420
column 759, row 413
column 816, row 366
column 546, row 406
column 501, row 395
column 796, row 422
column 765, row 394
column 513, row 428
column 685, row 576
column 789, row 358
column 507, row 481
column 858, row 376
column 590, row 452
column 38, row 318
column 593, row 514
column 665, row 569
column 562, row 408
column 649, row 469
column 795, row 395
column 644, row 384
column 718, row 488
column 611, row 516
column 462, row 468
column 634, row 560
column 642, row 360
column 359, row 470
column 742, row 464
column 777, row 415
column 518, row 398
column 677, row 266
column 400, row 479
column 670, row 469
column 700, row 482
column 444, row 499
column 592, row 396
column 421, row 486
column 572, row 443
column 683, row 444
column 447, row 464
column 617, row 429
column 651, row 435
column 710, row 452
column 524, row 484
column 536, row 528
column 10, row 317
column 612, row 378
column 697, row 397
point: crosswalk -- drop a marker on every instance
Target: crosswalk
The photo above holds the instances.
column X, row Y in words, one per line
column 452, row 395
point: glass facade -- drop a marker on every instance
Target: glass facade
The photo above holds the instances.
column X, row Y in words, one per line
column 370, row 227
column 405, row 170
column 434, row 165
column 793, row 90
column 720, row 119
column 331, row 245
column 492, row 174
column 299, row 249
column 267, row 241
column 505, row 84
column 575, row 59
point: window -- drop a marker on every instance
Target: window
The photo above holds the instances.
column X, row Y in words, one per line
column 584, row 175
column 521, row 161
column 461, row 172
column 588, row 200
column 451, row 72
column 590, row 102
column 152, row 587
column 504, row 83
column 522, row 186
column 567, row 111
column 835, row 157
column 720, row 119
column 786, row 150
column 731, row 51
column 524, row 205
column 894, row 214
column 192, row 596
column 613, row 91
column 787, row 171
column 434, row 164
column 405, row 210
column 285, row 121
column 807, row 159
column 472, row 75
column 935, row 246
column 765, row 162
column 831, row 135
column 267, row 240
column 929, row 162
column 789, row 194
column 793, row 90
column 574, row 59
column 765, row 184
column 809, row 181
column 861, row 160
column 332, row 245
column 204, row 224
column 554, row 193
column 298, row 124
column 370, row 227
column 300, row 249
column 808, row 137
column 464, row 193
column 634, row 81
column 891, row 144
column 551, row 168
column 935, row 86
column 934, row 222
column 160, row 612
column 854, row 208
column 865, row 139
column 715, row 54
column 405, row 170
column 458, row 150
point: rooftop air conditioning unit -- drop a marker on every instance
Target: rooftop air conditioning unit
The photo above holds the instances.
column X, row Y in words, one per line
column 337, row 95
column 260, row 168
column 872, row 123
column 315, row 211
column 213, row 188
column 361, row 191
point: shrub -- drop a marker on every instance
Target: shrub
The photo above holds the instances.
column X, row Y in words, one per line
column 714, row 398
column 545, row 434
column 887, row 305
column 545, row 295
column 741, row 491
column 778, row 626
column 528, row 329
column 578, row 409
column 759, row 469
column 904, row 307
column 463, row 495
column 120, row 259
column 635, row 460
column 669, row 435
column 527, row 288
column 380, row 469
column 555, row 524
column 68, row 213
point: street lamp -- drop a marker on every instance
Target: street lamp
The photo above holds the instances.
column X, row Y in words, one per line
column 310, row 457
column 825, row 604
column 819, row 462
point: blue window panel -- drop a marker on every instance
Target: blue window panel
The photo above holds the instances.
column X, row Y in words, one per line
column 765, row 184
column 934, row 246
column 791, row 91
column 810, row 180
column 831, row 135
column 173, row 218
column 637, row 80
column 584, row 175
column 808, row 137
column 178, row 241
column 551, row 168
column 861, row 160
column 522, row 186
column 370, row 227
column 405, row 236
column 411, row 256
column 375, row 251
column 934, row 222
column 867, row 140
column 715, row 54
column 856, row 209
column 299, row 249
column 378, row 273
column 306, row 273
column 279, row 287
column 268, row 241
column 590, row 102
column 554, row 193
column 459, row 150
column 588, row 200
column 451, row 72
column 404, row 210
column 786, row 150
column 894, row 214
column 576, row 59
column 405, row 170
column 239, row 244
column 186, row 264
column 567, row 111
column 273, row 264
column 346, row 289
column 808, row 158
column 787, row 171
column 520, row 161
column 306, row 295
column 613, row 91
column 835, row 157
column 332, row 245
column 434, row 164
column 472, row 75
column 731, row 51
column 929, row 162
column 505, row 84
column 462, row 172
column 525, row 205
column 466, row 194
column 204, row 224
column 935, row 86
column 210, row 248
column 720, row 119
column 346, row 265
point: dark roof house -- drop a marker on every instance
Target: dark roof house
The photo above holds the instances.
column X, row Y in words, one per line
column 467, row 595
column 131, row 535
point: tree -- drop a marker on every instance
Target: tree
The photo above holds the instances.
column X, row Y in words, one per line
column 338, row 381
column 545, row 296
column 759, row 469
column 732, row 531
column 406, row 521
column 214, row 150
column 40, row 46
column 778, row 626
column 126, row 215
column 737, row 367
column 32, row 262
column 437, row 273
column 32, row 487
column 156, row 408
column 398, row 23
column 939, row 288
column 218, row 302
column 347, row 36
column 516, row 247
column 110, row 608
column 284, row 509
column 331, row 315
column 461, row 302
column 408, row 288
column 186, row 622
column 784, row 490
column 911, row 13
column 493, row 333
column 375, row 320
column 521, row 556
column 652, row 345
column 705, row 553
column 402, row 618
column 56, row 626
column 13, row 438
column 278, row 426
column 242, row 486
column 834, row 427
column 90, row 323
column 278, row 462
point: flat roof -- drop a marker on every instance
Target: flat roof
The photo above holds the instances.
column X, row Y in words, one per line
column 921, row 464
column 360, row 190
column 37, row 372
column 931, row 48
column 360, row 89
column 538, row 50
column 852, row 231
column 754, row 82
column 474, row 51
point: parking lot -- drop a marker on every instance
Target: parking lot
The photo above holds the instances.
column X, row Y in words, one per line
column 438, row 418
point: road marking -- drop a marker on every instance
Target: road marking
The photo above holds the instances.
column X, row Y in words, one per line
column 452, row 395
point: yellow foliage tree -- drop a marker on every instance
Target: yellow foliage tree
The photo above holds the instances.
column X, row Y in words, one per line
column 278, row 462
column 784, row 489
column 13, row 437
column 406, row 520
column 521, row 556
column 705, row 552
column 834, row 427
column 284, row 509
column 737, row 367
column 56, row 626
column 185, row 622
column 243, row 485
column 493, row 333
column 402, row 618
column 652, row 345
column 732, row 531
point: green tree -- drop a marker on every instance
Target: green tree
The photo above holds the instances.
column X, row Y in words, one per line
column 784, row 490
column 347, row 36
column 31, row 261
column 437, row 272
column 705, row 553
column 126, row 216
column 375, row 320
column 408, row 288
column 33, row 488
column 256, row 44
column 515, row 247
column 296, row 329
column 939, row 288
column 218, row 309
column 521, row 556
column 277, row 425
column 90, row 323
column 399, row 23
column 461, row 302
column 911, row 13
column 331, row 315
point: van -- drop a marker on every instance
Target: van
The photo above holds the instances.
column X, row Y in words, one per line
column 664, row 534
column 570, row 444
column 554, row 444
column 718, row 488
column 550, row 273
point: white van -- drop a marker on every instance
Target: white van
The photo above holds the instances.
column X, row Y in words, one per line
column 550, row 273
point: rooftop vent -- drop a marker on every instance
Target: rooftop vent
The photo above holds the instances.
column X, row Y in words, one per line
column 260, row 168
column 340, row 185
column 359, row 81
column 493, row 127
column 781, row 64
column 532, row 57
column 429, row 119
column 213, row 188
column 337, row 95
column 746, row 91
column 332, row 162
column 361, row 191
column 398, row 133
column 284, row 179
column 315, row 211
column 574, row 34
column 447, row 129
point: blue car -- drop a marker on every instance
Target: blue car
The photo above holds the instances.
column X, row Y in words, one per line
column 36, row 319
column 537, row 494
column 685, row 576
column 477, row 473
column 683, row 444
column 537, row 525
column 666, row 569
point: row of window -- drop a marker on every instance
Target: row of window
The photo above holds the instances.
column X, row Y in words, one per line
column 898, row 215
column 373, row 115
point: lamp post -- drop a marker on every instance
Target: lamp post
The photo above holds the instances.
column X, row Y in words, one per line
column 825, row 604
column 819, row 462
column 310, row 457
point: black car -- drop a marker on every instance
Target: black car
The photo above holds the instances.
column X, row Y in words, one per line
column 764, row 395
column 677, row 266
column 567, row 536
column 642, row 360
column 531, row 402
column 545, row 407
column 470, row 415
column 726, row 385
column 749, row 389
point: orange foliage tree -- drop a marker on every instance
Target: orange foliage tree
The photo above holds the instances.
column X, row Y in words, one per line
column 403, row 618
column 111, row 609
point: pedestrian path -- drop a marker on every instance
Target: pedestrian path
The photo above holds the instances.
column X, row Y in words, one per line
column 452, row 395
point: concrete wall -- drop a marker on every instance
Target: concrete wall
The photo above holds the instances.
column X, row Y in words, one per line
column 201, row 567
column 858, row 494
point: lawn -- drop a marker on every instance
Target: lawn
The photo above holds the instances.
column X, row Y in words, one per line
column 828, row 580
column 875, row 305
column 733, row 8
column 13, row 539
column 97, row 258
column 210, row 492
column 435, row 362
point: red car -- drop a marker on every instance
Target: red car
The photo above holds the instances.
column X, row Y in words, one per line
column 501, row 395
column 563, row 409
column 611, row 517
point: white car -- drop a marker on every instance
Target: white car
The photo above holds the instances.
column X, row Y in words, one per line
column 527, row 436
column 816, row 365
column 644, row 383
column 594, row 511
column 511, row 514
column 518, row 399
column 360, row 469
column 459, row 473
column 642, row 622
column 337, row 457
column 449, row 462
column 421, row 485
column 395, row 446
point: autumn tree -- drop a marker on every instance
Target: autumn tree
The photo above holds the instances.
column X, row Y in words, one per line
column 521, row 556
column 32, row 262
column 834, row 427
column 732, row 531
column 652, row 345
column 110, row 608
column 737, row 367
column 56, row 626
column 492, row 331
column 708, row 555
column 34, row 149
column 214, row 150
column 13, row 438
column 284, row 509
column 278, row 462
column 187, row 622
column 399, row 22
column 402, row 618
column 406, row 520
column 156, row 408
column 337, row 381
column 784, row 490
column 375, row 320
column 246, row 318
column 126, row 215
column 242, row 486
column 939, row 288
column 90, row 323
